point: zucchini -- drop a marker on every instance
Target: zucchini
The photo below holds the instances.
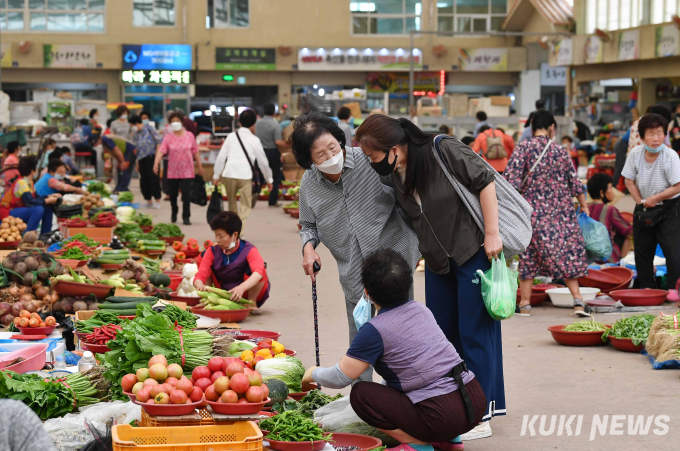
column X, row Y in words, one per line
column 124, row 299
column 120, row 306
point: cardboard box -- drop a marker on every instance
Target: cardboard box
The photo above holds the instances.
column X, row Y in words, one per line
column 484, row 104
column 101, row 234
column 456, row 105
column 501, row 101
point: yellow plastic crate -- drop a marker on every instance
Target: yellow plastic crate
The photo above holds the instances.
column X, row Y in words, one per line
column 238, row 436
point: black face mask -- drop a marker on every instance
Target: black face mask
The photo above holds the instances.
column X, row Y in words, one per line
column 384, row 167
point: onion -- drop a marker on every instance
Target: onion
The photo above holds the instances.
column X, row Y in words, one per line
column 5, row 308
column 79, row 305
column 37, row 304
column 27, row 297
column 27, row 290
column 41, row 292
column 55, row 297
column 30, row 307
column 38, row 283
column 17, row 308
column 14, row 291
column 7, row 319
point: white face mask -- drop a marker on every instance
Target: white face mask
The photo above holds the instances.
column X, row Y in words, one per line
column 145, row 121
column 333, row 165
column 233, row 244
column 124, row 117
column 176, row 126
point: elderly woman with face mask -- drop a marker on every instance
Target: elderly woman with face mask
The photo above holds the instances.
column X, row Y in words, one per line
column 652, row 174
column 345, row 205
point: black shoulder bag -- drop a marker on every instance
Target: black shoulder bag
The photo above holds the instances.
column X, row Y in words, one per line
column 257, row 184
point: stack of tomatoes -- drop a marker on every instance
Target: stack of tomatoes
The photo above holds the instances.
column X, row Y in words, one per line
column 229, row 381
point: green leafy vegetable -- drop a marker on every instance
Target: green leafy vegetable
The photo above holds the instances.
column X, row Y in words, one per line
column 306, row 407
column 166, row 230
column 74, row 253
column 636, row 328
column 175, row 314
column 287, row 369
column 128, row 231
column 100, row 188
column 126, row 196
column 99, row 319
column 143, row 220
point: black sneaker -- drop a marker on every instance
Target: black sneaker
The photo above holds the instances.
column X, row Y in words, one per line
column 187, row 222
column 173, row 218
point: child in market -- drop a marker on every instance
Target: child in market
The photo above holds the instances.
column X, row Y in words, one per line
column 232, row 263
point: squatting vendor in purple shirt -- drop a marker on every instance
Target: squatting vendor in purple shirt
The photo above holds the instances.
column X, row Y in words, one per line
column 428, row 396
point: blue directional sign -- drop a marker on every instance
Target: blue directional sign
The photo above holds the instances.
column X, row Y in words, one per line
column 157, row 56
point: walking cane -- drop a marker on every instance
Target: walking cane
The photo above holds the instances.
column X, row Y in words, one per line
column 316, row 269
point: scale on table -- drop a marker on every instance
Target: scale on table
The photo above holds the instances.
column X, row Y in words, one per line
column 222, row 114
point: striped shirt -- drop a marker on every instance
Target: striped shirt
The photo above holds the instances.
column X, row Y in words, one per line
column 656, row 177
column 353, row 218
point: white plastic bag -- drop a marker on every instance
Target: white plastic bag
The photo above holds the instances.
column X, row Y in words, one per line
column 70, row 433
column 338, row 416
column 186, row 286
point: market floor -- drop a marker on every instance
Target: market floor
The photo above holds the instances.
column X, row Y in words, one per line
column 541, row 377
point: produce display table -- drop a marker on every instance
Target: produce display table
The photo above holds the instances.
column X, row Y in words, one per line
column 101, row 234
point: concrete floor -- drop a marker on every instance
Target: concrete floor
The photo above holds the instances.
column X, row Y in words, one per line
column 541, row 377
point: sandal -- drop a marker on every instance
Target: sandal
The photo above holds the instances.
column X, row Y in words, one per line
column 580, row 309
column 523, row 311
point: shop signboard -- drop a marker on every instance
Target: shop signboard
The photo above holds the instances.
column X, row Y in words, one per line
column 667, row 41
column 5, row 55
column 230, row 58
column 161, row 77
column 397, row 82
column 563, row 52
column 593, row 50
column 357, row 59
column 157, row 57
column 483, row 59
column 629, row 45
column 69, row 56
column 553, row 75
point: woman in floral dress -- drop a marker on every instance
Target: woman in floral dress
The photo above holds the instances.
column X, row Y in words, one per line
column 557, row 248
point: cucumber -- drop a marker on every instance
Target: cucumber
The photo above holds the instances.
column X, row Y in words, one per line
column 120, row 306
column 123, row 312
column 124, row 299
column 116, row 251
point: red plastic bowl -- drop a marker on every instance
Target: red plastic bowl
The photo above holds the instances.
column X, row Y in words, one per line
column 625, row 344
column 290, row 352
column 36, row 330
column 68, row 263
column 225, row 316
column 188, row 300
column 363, row 442
column 566, row 338
column 156, row 252
column 146, row 229
column 192, row 254
column 537, row 297
column 132, row 396
column 639, row 298
column 183, row 260
column 297, row 446
column 84, row 262
column 175, row 280
column 165, row 410
column 624, row 274
column 111, row 266
column 95, row 349
column 237, row 409
column 599, row 279
column 81, row 289
column 307, row 387
column 10, row 245
column 541, row 287
column 171, row 239
column 104, row 224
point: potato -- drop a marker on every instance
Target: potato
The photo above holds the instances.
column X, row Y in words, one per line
column 19, row 220
column 12, row 221
column 14, row 228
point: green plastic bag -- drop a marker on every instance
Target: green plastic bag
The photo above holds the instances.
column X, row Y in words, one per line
column 499, row 289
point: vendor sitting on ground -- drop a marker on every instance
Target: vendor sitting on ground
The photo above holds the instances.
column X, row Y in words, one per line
column 620, row 231
column 53, row 181
column 234, row 264
column 21, row 201
column 422, row 402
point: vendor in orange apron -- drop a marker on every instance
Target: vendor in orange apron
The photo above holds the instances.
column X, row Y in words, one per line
column 233, row 264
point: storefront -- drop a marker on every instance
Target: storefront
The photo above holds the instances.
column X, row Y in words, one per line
column 158, row 77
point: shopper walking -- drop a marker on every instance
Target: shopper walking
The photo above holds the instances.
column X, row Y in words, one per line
column 268, row 130
column 344, row 115
column 652, row 174
column 240, row 154
column 453, row 246
column 346, row 206
column 181, row 148
column 420, row 409
column 121, row 126
column 542, row 171
column 147, row 139
column 494, row 146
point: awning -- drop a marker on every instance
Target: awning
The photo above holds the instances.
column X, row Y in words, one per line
column 555, row 12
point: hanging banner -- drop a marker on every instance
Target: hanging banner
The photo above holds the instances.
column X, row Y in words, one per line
column 593, row 51
column 6, row 52
column 629, row 45
column 358, row 59
column 563, row 52
column 553, row 75
column 163, row 77
column 69, row 56
column 667, row 41
column 228, row 58
column 483, row 60
column 397, row 82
